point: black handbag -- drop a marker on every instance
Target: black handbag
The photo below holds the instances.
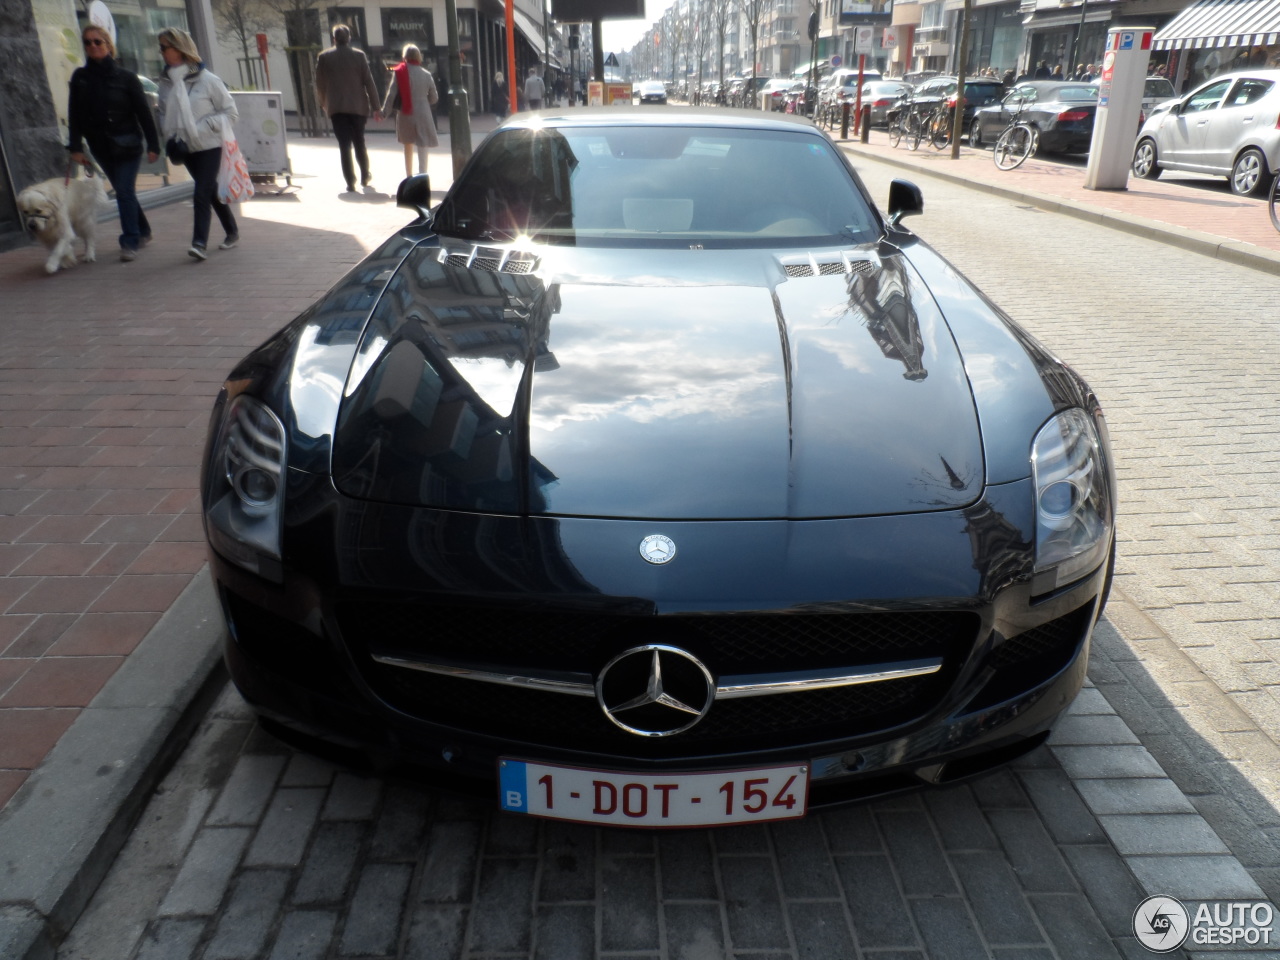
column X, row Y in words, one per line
column 176, row 149
column 124, row 145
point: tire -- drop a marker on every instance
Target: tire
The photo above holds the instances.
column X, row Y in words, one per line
column 1273, row 202
column 975, row 134
column 1014, row 146
column 895, row 133
column 1144, row 163
column 1249, row 173
column 939, row 132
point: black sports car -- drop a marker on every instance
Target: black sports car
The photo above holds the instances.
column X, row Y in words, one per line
column 658, row 478
column 1061, row 113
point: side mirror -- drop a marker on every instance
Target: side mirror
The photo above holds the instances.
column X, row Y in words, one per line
column 415, row 194
column 905, row 199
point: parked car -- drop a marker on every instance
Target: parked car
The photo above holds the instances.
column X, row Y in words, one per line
column 978, row 92
column 656, row 478
column 882, row 96
column 1062, row 114
column 651, row 91
column 844, row 83
column 1155, row 90
column 1229, row 126
column 776, row 89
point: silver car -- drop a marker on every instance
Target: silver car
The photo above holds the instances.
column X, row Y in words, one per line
column 1229, row 126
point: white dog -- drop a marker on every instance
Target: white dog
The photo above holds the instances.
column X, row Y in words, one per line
column 57, row 212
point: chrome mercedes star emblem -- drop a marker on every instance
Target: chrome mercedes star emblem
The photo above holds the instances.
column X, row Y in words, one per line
column 658, row 549
column 655, row 690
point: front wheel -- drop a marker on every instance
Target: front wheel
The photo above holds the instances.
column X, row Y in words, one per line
column 975, row 134
column 1014, row 146
column 1248, row 173
column 1144, row 160
column 939, row 132
column 895, row 133
column 1273, row 202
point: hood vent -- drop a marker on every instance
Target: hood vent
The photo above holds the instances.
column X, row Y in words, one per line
column 491, row 260
column 808, row 265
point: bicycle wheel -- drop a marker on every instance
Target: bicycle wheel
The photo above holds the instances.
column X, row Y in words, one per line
column 1273, row 202
column 914, row 132
column 895, row 133
column 1014, row 146
column 939, row 131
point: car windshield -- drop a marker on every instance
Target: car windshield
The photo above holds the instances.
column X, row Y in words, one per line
column 1157, row 87
column 1078, row 93
column 658, row 185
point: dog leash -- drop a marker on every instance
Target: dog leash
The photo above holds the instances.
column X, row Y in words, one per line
column 71, row 164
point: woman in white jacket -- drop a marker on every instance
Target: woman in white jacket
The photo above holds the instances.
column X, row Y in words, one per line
column 194, row 106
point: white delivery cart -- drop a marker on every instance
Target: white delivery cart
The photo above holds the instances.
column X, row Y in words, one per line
column 260, row 131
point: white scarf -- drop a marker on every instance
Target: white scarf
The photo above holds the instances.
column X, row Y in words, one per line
column 178, row 121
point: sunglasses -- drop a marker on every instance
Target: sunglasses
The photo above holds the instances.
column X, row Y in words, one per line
column 94, row 42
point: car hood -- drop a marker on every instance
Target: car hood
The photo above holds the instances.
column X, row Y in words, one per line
column 714, row 384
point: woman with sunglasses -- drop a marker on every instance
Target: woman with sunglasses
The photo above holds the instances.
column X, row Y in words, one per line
column 194, row 103
column 108, row 110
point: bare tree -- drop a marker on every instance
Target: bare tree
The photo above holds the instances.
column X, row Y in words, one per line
column 753, row 13
column 722, row 14
column 701, row 40
column 243, row 20
column 677, row 33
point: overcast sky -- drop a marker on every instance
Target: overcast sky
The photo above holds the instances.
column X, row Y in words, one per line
column 622, row 35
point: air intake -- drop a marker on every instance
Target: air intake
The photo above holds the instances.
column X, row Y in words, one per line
column 491, row 260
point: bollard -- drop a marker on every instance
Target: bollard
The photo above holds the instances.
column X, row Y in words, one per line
column 864, row 128
column 844, row 120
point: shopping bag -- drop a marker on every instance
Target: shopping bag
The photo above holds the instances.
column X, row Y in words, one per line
column 234, row 182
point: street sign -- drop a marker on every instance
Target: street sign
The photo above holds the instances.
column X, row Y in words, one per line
column 864, row 40
column 836, row 61
column 611, row 61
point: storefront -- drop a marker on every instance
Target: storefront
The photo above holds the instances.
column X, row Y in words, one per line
column 1220, row 36
column 1065, row 37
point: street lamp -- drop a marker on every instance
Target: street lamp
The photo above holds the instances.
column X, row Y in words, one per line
column 459, row 112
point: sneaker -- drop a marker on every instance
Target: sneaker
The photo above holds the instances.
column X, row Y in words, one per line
column 127, row 255
column 142, row 242
column 351, row 188
column 197, row 252
column 366, row 180
column 230, row 242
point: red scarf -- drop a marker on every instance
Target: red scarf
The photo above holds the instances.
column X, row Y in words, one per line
column 402, row 84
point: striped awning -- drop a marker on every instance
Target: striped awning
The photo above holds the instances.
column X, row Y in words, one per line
column 1222, row 23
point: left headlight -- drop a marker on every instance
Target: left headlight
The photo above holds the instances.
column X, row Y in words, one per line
column 1073, row 500
column 245, row 493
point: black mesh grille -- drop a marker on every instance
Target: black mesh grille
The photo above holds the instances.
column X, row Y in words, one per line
column 584, row 642
column 1053, row 641
column 577, row 723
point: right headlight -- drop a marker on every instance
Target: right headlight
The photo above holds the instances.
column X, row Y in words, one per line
column 1073, row 500
column 245, row 495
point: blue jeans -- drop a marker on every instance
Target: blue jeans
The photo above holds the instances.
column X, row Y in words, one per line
column 203, row 165
column 123, row 175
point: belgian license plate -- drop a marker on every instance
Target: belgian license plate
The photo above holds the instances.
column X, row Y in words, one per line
column 648, row 800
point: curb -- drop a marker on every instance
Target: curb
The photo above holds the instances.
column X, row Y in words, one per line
column 61, row 831
column 1220, row 248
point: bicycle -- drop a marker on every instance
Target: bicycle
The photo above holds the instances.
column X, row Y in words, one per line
column 1018, row 141
column 938, row 126
column 1273, row 202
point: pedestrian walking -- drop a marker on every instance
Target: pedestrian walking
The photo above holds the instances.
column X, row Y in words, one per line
column 499, row 96
column 534, row 90
column 196, row 113
column 410, row 96
column 107, row 109
column 347, row 94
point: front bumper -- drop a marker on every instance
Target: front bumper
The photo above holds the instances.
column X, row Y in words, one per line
column 362, row 578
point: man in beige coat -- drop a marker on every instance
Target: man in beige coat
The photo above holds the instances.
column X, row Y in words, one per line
column 347, row 94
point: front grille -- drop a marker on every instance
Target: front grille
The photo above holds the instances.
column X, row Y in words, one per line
column 586, row 640
column 1026, row 661
column 583, row 641
column 577, row 723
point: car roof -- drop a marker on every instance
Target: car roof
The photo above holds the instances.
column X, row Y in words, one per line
column 1053, row 88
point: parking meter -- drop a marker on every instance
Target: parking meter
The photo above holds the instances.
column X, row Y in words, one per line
column 1124, row 72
